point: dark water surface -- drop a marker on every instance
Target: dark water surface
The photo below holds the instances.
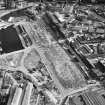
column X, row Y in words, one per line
column 10, row 40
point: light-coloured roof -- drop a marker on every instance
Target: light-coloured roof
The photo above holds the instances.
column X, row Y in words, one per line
column 4, row 24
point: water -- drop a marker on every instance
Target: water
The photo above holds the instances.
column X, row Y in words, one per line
column 10, row 40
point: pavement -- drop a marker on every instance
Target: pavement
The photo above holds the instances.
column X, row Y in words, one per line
column 7, row 11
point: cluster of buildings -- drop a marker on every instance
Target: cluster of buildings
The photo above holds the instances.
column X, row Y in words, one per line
column 53, row 55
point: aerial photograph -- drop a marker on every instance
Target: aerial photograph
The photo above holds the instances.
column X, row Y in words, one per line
column 52, row 52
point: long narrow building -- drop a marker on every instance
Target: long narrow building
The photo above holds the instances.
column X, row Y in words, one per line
column 17, row 96
column 27, row 95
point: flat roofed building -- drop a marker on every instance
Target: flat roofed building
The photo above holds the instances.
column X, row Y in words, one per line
column 27, row 95
column 17, row 96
